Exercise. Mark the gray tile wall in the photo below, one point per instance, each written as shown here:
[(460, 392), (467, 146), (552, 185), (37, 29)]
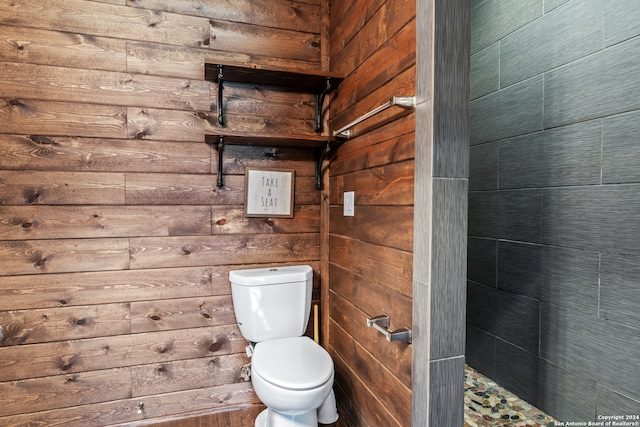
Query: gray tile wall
[(554, 203), (440, 202)]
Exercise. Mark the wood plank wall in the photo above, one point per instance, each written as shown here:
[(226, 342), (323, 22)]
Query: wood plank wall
[(115, 243), (373, 43)]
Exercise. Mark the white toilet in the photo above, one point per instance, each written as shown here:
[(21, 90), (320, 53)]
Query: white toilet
[(291, 374)]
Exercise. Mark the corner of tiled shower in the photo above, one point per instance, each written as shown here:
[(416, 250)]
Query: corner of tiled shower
[(487, 404)]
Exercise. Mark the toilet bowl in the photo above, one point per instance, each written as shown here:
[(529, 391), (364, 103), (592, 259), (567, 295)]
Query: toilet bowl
[(293, 377), (291, 374)]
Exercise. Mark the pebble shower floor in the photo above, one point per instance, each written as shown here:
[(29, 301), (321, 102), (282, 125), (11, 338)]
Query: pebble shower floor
[(486, 404)]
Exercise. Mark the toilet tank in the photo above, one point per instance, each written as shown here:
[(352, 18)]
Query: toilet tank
[(272, 303)]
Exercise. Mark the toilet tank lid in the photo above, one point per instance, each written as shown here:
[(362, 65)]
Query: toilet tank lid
[(271, 275)]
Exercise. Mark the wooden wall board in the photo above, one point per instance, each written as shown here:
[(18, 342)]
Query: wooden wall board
[(112, 1), (371, 258), (347, 18), (254, 40), (273, 125), (68, 188), (71, 356), (29, 81), (36, 117), (186, 62), (119, 21), (65, 390), (396, 140), (371, 297), (391, 184), (46, 47), (186, 374), (51, 222), (163, 125), (266, 101), (161, 252), (402, 85), (291, 15), (395, 357), (168, 125), (387, 266), (231, 219), (238, 157), (397, 395), (368, 402), (48, 153), (193, 189), (104, 111), (63, 256), (394, 57), (241, 416), (163, 315), (124, 411), (368, 224), (370, 35), (64, 323), (179, 189), (105, 287)]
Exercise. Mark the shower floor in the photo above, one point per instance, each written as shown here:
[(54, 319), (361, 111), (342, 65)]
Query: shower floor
[(486, 404)]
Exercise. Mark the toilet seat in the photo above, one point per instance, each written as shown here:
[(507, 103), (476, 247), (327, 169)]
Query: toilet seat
[(295, 363)]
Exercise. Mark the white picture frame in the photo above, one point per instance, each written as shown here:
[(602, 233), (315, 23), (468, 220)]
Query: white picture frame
[(269, 192)]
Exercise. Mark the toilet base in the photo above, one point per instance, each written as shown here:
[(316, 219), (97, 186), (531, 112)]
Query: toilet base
[(271, 418)]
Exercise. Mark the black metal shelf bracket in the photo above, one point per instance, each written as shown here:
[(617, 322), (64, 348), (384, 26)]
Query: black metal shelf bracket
[(319, 103), (220, 104), (220, 149), (319, 154)]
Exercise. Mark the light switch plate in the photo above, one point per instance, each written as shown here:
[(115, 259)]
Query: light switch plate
[(349, 204)]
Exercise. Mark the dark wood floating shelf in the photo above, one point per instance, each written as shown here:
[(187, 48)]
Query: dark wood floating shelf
[(318, 83), (269, 140), (295, 80)]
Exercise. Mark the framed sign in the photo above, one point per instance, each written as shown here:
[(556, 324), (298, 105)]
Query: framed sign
[(268, 192)]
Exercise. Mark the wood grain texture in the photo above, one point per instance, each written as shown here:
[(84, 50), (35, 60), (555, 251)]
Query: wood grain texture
[(90, 354), (104, 287), (376, 378), (42, 152), (386, 266), (68, 390), (373, 43), (198, 250), (291, 15), (367, 225), (275, 42), (50, 222), (38, 117), (73, 188), (45, 47), (104, 111), (101, 87), (63, 256), (60, 324), (124, 411), (187, 374), (396, 358), (119, 21), (181, 313), (237, 416), (227, 220)]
